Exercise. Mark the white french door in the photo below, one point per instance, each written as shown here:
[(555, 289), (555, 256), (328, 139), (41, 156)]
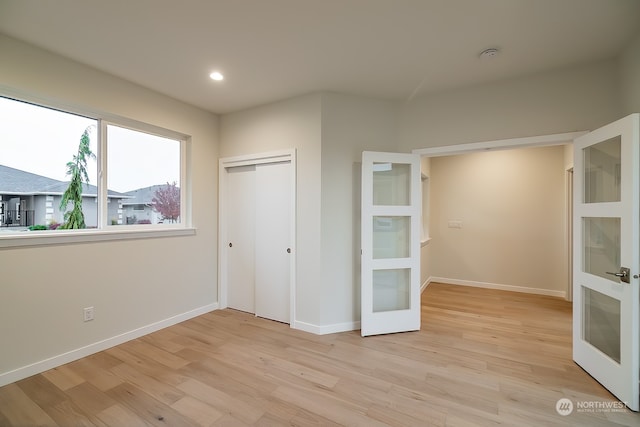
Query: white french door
[(606, 257), (390, 236)]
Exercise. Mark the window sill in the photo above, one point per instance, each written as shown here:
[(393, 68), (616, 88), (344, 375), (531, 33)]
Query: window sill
[(63, 237), (425, 242)]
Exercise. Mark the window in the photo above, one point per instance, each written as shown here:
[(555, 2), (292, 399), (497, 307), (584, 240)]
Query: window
[(149, 194), (37, 143), (140, 184)]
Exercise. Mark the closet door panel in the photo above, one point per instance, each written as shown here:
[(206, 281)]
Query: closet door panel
[(241, 217), (273, 240)]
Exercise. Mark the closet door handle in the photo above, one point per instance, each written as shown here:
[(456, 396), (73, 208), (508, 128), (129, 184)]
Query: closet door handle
[(288, 250), (230, 244)]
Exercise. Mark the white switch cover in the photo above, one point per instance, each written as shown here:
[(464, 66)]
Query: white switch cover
[(455, 224)]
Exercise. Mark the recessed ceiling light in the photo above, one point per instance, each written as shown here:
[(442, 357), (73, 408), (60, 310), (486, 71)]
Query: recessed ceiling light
[(489, 53), (216, 75)]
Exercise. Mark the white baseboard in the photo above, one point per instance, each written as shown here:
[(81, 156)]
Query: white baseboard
[(512, 288), (425, 284), (61, 359), (340, 327), (326, 329)]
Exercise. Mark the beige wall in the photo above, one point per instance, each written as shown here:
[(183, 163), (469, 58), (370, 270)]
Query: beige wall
[(630, 77), (350, 125), (44, 289), (511, 205), (580, 98)]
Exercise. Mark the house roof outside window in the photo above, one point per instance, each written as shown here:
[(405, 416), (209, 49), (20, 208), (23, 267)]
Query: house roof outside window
[(21, 183), (142, 196)]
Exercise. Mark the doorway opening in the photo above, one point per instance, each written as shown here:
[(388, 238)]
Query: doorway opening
[(564, 139)]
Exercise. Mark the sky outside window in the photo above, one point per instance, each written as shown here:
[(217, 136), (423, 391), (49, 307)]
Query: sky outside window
[(137, 160), (41, 141)]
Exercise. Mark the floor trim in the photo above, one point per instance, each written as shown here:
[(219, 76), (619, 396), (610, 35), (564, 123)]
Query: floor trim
[(327, 329), (487, 285), (55, 361)]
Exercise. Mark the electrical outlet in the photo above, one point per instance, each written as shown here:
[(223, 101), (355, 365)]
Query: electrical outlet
[(88, 314)]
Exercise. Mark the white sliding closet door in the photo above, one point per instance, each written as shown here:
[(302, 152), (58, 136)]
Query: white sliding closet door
[(258, 232), (273, 240), (241, 208)]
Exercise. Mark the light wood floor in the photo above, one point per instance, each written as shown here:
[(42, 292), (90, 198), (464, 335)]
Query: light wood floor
[(482, 358)]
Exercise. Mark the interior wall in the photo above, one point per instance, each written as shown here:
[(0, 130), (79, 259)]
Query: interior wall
[(573, 99), (630, 77), (510, 205), (350, 125), (44, 289), (293, 123)]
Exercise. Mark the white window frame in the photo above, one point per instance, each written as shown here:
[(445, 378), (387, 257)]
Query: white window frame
[(106, 232), (102, 171)]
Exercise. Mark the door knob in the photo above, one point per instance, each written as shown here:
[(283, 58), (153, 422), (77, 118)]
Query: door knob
[(623, 274), (230, 244), (288, 250)]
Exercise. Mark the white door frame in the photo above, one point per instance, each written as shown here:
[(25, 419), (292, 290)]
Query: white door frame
[(508, 144), (500, 144), (246, 160), (568, 181)]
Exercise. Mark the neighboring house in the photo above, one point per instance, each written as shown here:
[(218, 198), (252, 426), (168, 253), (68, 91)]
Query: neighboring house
[(137, 208), (29, 199)]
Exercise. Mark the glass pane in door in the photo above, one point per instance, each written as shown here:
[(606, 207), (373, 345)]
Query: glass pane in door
[(391, 236), (601, 322), (601, 251), (391, 184), (602, 171), (391, 289)]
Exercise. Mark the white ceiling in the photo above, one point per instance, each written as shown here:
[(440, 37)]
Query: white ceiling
[(275, 49)]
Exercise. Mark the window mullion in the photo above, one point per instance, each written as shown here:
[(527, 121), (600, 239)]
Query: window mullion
[(102, 175), (185, 203)]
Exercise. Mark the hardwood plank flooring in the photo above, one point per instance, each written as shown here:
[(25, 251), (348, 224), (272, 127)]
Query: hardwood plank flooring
[(483, 358)]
